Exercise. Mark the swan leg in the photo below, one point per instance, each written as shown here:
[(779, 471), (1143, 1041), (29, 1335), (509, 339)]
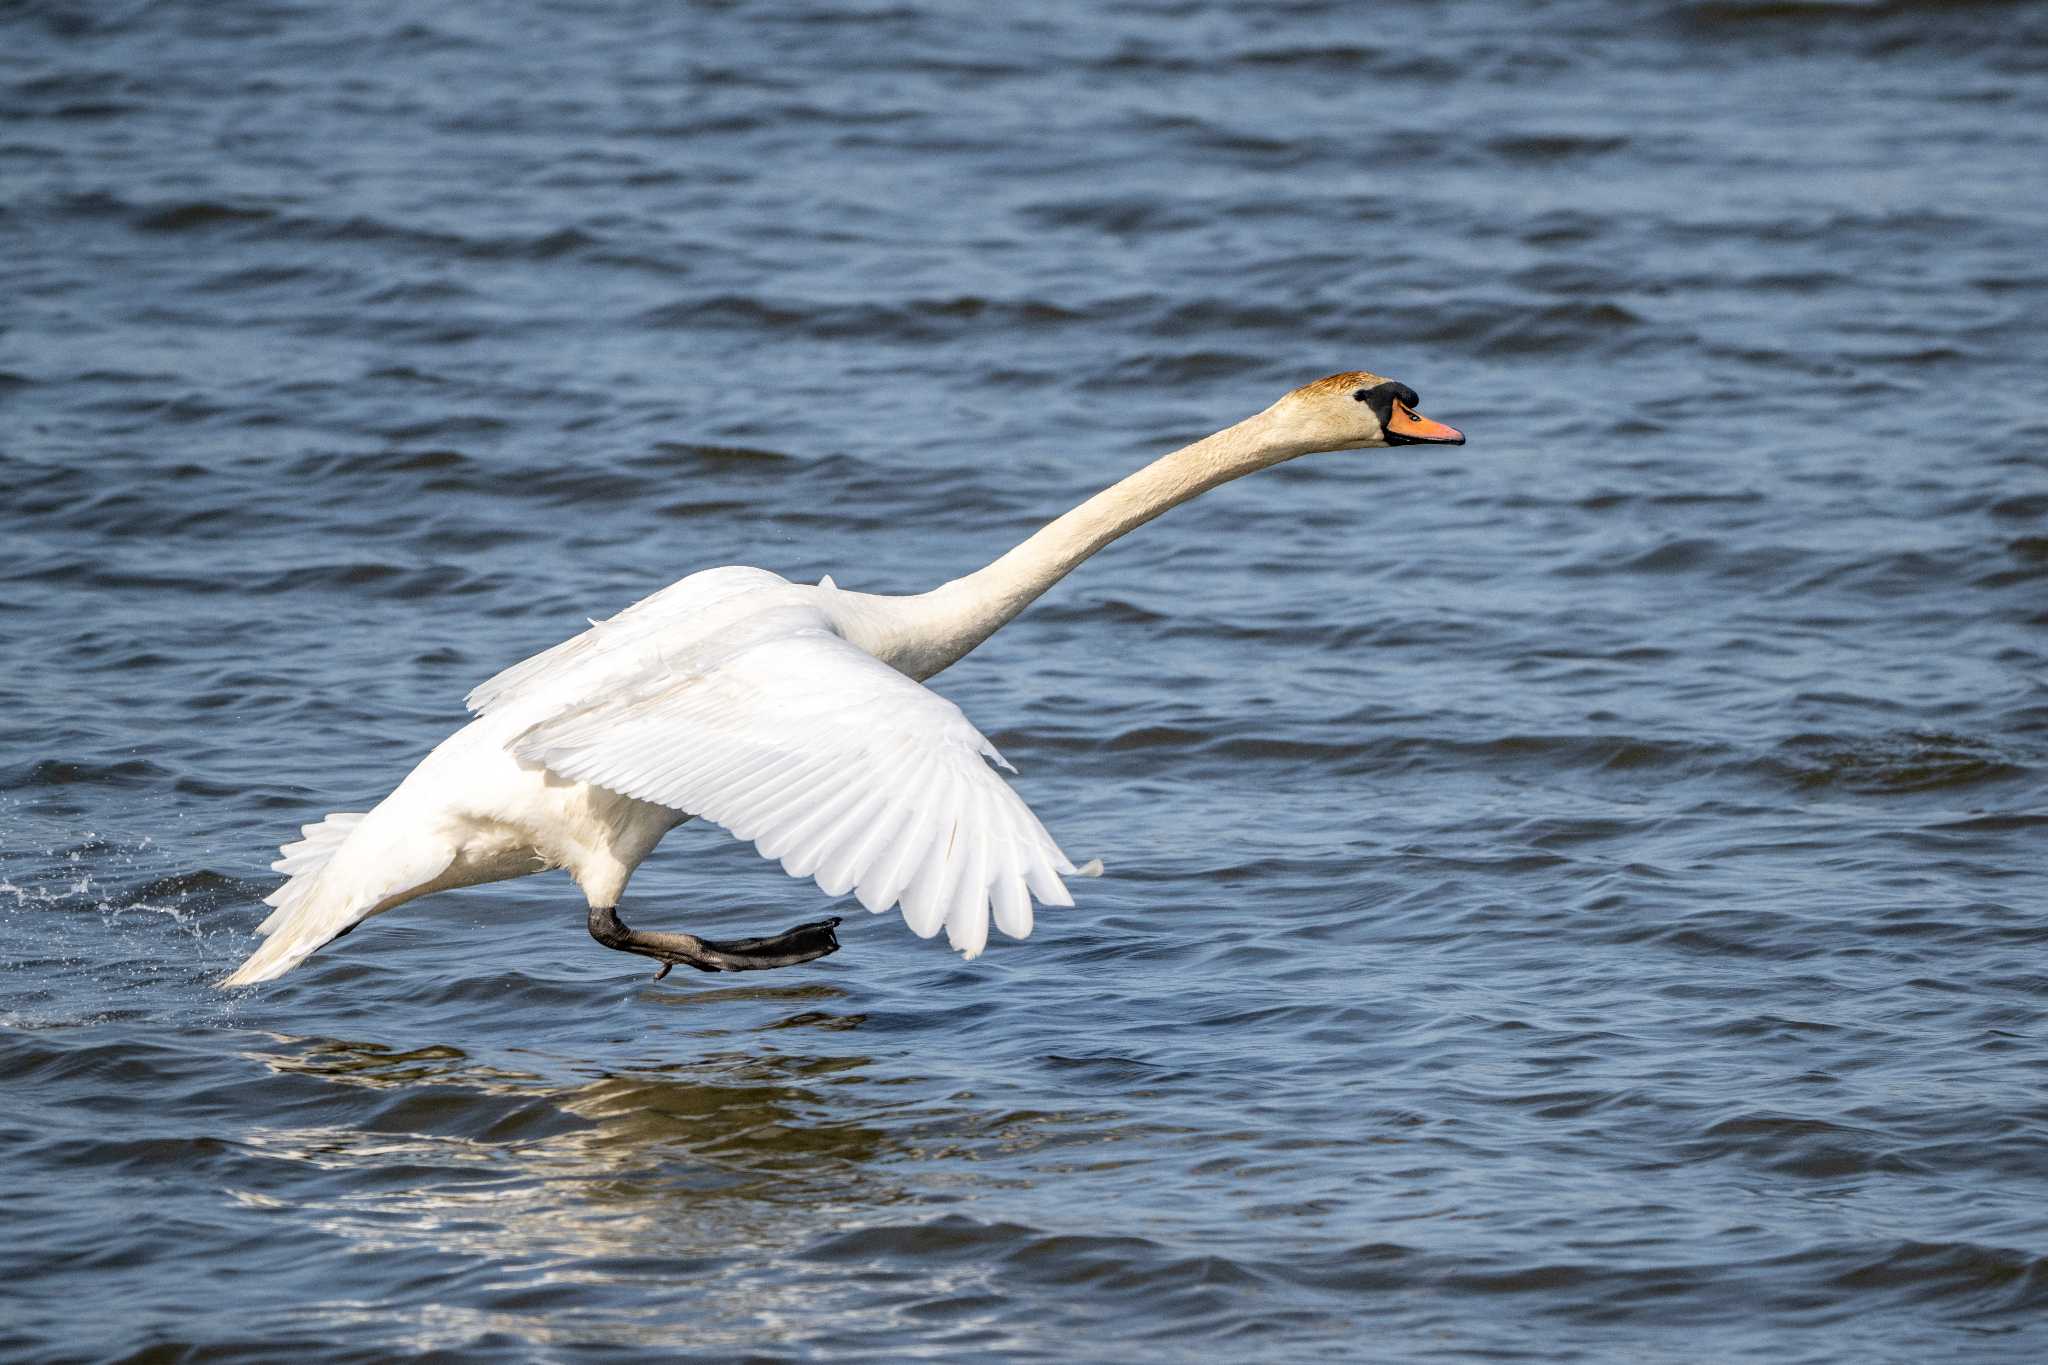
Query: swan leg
[(801, 944)]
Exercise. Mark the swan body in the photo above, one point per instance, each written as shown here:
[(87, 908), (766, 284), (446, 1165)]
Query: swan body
[(793, 715)]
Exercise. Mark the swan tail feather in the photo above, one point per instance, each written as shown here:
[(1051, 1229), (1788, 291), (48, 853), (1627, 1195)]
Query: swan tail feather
[(338, 879), (296, 933), (302, 862)]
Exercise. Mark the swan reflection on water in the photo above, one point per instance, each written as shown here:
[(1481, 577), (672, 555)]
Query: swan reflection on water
[(561, 1194), (714, 1204)]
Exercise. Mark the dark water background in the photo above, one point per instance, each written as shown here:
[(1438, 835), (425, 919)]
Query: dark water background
[(1580, 896)]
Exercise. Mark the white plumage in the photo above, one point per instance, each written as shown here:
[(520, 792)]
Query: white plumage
[(730, 696), (794, 716), (812, 750)]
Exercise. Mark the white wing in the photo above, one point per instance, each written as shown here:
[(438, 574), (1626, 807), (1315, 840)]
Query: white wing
[(682, 603), (827, 759)]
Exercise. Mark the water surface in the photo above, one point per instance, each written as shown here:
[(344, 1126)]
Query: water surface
[(1574, 897)]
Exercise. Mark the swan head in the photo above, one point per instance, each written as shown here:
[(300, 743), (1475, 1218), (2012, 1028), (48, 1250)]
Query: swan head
[(1358, 410)]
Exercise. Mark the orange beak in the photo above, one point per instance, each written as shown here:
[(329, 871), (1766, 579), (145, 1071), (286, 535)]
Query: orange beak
[(1406, 426)]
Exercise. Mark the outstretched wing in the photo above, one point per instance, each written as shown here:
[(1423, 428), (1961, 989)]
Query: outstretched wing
[(828, 761), (684, 607)]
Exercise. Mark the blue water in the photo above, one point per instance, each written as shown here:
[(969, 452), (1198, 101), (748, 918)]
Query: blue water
[(1579, 896)]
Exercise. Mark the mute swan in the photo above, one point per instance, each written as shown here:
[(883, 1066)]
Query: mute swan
[(792, 715)]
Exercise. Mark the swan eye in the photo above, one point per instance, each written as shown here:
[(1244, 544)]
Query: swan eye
[(1362, 394)]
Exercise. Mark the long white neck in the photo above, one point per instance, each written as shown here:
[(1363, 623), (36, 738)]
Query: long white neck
[(923, 634)]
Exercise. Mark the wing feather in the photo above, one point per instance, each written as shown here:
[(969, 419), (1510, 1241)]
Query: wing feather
[(967, 920), (793, 818), (1006, 880), (1012, 905), (896, 863), (810, 834), (870, 840), (789, 736), (838, 860), (746, 796), (924, 904), (682, 601), (1046, 885)]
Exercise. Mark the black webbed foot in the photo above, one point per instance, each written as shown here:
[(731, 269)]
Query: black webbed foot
[(804, 943)]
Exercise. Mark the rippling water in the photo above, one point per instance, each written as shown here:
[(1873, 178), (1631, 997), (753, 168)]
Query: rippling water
[(1579, 896)]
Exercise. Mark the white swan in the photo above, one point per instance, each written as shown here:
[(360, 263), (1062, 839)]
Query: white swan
[(792, 715)]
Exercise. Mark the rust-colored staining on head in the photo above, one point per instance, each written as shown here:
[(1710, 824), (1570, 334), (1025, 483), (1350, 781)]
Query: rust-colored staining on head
[(1340, 383)]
